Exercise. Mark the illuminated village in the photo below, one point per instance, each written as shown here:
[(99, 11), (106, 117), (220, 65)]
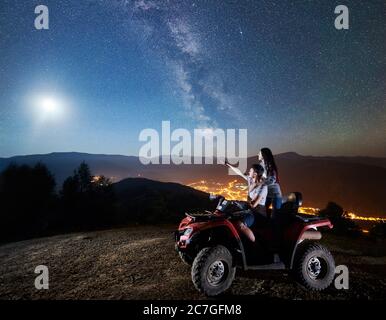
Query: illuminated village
[(236, 190)]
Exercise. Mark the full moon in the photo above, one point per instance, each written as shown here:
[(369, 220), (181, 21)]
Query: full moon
[(49, 108), (49, 105)]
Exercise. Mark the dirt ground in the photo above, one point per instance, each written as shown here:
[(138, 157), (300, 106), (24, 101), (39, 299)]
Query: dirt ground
[(140, 263)]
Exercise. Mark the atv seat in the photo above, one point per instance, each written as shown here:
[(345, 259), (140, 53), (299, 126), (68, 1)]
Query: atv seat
[(292, 202)]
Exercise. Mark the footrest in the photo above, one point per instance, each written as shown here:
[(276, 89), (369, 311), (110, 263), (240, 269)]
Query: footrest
[(272, 266)]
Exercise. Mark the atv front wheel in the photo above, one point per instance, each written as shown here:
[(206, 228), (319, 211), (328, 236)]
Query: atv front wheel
[(315, 267), (212, 270), (187, 259)]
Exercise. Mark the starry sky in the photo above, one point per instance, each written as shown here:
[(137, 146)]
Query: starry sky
[(277, 68)]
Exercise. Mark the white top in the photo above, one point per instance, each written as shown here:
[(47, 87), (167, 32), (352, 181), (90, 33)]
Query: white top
[(260, 190), (273, 188)]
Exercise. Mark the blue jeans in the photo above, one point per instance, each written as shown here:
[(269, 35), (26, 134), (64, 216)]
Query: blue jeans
[(249, 218), (276, 205), (252, 214), (276, 227)]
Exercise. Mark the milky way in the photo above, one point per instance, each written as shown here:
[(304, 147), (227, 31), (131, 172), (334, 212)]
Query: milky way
[(278, 68)]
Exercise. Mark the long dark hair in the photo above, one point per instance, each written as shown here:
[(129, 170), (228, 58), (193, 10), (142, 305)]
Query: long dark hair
[(269, 162)]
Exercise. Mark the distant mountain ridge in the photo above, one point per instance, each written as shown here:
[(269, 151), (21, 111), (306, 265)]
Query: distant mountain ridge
[(356, 183), (373, 161)]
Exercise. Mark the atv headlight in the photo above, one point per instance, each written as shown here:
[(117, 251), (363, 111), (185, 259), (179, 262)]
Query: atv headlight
[(188, 231)]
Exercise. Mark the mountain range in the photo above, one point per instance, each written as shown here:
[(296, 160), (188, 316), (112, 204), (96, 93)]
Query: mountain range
[(356, 183)]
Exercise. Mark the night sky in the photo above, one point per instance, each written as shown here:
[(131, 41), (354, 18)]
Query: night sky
[(112, 68)]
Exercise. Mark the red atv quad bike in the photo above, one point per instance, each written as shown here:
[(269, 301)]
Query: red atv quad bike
[(211, 243)]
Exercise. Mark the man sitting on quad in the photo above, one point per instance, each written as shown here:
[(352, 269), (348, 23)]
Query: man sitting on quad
[(257, 194)]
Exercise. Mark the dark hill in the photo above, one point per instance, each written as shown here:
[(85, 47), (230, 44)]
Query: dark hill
[(148, 201)]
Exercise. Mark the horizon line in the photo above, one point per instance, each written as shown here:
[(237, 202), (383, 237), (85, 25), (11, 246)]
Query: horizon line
[(136, 156)]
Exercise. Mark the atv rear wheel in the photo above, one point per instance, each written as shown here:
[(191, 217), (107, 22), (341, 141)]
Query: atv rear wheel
[(315, 267), (212, 270)]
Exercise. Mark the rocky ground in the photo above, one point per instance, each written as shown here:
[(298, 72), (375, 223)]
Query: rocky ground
[(140, 263)]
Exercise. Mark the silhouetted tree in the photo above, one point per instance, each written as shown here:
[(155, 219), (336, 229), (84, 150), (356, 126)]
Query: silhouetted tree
[(71, 186), (29, 206), (100, 182), (342, 225), (27, 198), (332, 210), (85, 177), (87, 200)]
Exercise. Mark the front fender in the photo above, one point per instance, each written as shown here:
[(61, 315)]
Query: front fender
[(215, 233)]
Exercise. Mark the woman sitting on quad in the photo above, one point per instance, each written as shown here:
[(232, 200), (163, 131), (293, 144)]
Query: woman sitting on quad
[(274, 196), (257, 193)]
